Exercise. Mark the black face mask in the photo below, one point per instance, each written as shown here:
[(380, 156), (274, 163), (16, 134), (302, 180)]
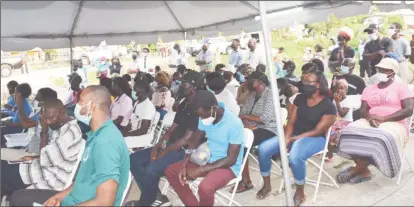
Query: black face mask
[(134, 57), (308, 90)]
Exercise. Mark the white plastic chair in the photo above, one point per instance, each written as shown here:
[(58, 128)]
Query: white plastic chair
[(143, 140), (165, 123), (318, 182), (403, 158), (128, 186), (75, 168), (248, 141)]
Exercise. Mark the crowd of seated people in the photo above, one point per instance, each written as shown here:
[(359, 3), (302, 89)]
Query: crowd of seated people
[(211, 110)]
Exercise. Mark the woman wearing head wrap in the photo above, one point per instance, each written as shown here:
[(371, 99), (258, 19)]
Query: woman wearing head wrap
[(342, 51)]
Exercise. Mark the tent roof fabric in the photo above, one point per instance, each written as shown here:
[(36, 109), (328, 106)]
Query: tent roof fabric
[(50, 24)]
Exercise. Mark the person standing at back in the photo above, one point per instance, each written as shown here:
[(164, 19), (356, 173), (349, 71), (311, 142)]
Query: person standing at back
[(255, 57), (133, 68), (204, 59), (235, 57), (343, 51), (401, 47), (372, 50)]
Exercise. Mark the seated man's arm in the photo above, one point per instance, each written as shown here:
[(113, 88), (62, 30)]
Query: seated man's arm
[(107, 158), (105, 194)]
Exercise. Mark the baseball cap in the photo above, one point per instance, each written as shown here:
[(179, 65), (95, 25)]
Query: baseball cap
[(371, 27), (389, 63)]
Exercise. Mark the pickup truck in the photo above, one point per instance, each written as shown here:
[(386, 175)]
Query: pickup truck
[(10, 63)]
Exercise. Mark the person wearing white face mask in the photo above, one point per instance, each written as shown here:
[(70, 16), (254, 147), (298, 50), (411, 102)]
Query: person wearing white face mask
[(225, 138), (373, 52), (379, 136), (401, 48)]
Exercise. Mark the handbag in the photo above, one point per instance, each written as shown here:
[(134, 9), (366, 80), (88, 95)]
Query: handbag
[(202, 155)]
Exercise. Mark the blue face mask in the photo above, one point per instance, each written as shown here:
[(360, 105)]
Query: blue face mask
[(344, 70), (134, 95), (178, 81), (241, 77), (86, 119), (208, 88)]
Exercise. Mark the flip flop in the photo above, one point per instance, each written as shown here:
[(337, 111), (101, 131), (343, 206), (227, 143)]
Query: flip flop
[(298, 201), (262, 197), (344, 176), (357, 179), (246, 187)]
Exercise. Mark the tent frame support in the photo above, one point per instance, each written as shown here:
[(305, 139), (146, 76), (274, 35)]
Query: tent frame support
[(74, 24), (276, 104)]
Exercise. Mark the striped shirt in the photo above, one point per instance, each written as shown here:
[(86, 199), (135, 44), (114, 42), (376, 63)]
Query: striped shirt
[(263, 107), (57, 160)]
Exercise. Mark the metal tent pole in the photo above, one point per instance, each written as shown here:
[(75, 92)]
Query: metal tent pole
[(275, 94), (71, 55)]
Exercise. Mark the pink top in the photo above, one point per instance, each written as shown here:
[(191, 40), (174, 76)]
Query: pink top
[(386, 101), (122, 106), (163, 98)]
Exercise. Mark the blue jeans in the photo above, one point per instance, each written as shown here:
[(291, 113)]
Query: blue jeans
[(147, 173), (162, 113), (300, 151)]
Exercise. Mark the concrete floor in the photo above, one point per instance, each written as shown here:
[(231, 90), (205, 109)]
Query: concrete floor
[(380, 191)]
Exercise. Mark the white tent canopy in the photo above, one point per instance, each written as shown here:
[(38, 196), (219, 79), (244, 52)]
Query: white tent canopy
[(51, 24)]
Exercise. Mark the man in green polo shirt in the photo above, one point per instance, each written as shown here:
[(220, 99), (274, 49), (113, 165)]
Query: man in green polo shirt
[(104, 169)]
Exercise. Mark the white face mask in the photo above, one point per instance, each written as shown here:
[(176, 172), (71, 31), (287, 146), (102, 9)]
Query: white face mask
[(391, 32), (381, 77), (373, 36), (209, 121)]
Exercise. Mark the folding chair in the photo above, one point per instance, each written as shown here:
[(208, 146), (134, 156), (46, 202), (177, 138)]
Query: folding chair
[(165, 123), (75, 168), (403, 158), (128, 186), (143, 140), (248, 141), (318, 182)]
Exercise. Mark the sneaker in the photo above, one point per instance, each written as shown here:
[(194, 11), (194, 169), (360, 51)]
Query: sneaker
[(162, 200)]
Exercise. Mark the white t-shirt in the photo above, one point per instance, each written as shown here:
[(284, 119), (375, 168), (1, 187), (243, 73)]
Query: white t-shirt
[(142, 111), (233, 86), (229, 101), (347, 103)]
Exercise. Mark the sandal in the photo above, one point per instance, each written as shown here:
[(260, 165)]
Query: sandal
[(357, 179), (244, 187), (344, 176), (261, 196), (297, 200)]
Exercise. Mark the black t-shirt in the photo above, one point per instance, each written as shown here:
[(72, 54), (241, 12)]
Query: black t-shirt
[(185, 118), (373, 47), (309, 117), (356, 85)]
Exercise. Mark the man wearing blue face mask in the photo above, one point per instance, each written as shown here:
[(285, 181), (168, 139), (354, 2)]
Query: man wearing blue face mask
[(356, 84)]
